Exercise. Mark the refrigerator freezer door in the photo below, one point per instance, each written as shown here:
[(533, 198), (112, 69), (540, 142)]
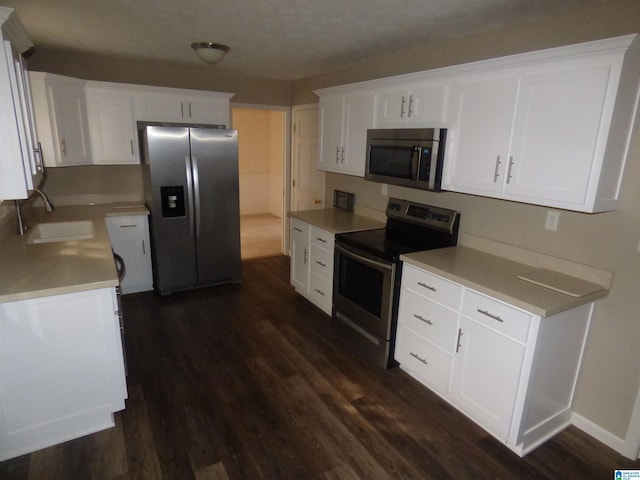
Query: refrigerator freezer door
[(214, 156), (169, 160)]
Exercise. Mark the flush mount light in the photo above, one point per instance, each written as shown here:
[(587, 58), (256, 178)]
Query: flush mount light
[(210, 52)]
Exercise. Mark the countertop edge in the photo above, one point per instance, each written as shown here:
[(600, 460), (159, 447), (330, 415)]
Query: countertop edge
[(557, 302)]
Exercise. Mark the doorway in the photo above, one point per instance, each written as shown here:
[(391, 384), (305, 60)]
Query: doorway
[(262, 155)]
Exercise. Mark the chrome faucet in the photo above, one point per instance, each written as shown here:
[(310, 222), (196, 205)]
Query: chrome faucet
[(22, 223)]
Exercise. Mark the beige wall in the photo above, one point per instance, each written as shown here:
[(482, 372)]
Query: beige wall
[(261, 150), (206, 77), (610, 376)]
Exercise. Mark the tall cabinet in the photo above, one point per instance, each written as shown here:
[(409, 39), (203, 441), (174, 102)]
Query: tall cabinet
[(20, 157)]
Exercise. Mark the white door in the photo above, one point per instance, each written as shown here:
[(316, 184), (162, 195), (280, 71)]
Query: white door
[(307, 182)]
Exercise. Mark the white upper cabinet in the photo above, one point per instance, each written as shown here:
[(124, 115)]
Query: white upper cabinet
[(417, 105), (61, 119), (95, 123), (344, 120), (185, 107), (112, 126), (20, 159), (552, 130)]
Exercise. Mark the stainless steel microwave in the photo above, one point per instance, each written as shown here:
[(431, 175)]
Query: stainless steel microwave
[(411, 157)]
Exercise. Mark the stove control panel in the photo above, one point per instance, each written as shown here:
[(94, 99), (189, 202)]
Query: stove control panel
[(413, 212)]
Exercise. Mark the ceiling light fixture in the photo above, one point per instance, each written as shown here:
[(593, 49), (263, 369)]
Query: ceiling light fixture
[(210, 52)]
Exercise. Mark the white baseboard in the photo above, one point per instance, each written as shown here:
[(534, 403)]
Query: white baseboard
[(609, 439)]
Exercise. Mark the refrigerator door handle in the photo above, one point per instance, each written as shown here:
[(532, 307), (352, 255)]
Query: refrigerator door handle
[(196, 188), (187, 162)]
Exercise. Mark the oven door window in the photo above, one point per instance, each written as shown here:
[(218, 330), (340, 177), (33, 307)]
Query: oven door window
[(361, 284), (399, 161)]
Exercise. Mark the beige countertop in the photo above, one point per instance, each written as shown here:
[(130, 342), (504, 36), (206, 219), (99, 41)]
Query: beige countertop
[(39, 270), (498, 277), (334, 220)]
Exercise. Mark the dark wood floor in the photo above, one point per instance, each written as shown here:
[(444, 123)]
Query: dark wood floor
[(248, 382)]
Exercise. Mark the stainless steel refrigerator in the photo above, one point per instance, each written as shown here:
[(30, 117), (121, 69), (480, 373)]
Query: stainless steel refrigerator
[(191, 188)]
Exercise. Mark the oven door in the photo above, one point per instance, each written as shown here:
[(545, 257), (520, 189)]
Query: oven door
[(363, 289)]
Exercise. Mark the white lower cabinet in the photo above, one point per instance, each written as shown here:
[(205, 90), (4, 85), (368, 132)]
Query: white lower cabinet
[(61, 369), (512, 372), (312, 263), (129, 237)]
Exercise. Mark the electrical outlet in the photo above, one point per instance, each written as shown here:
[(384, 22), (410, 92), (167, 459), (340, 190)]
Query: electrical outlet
[(384, 190), (553, 218)]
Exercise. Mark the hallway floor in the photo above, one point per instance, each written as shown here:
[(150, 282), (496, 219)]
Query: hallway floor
[(260, 236)]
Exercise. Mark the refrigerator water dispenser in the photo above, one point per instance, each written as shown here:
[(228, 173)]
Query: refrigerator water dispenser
[(172, 201)]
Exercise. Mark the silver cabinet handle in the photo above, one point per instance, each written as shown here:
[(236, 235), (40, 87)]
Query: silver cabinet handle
[(509, 170), (419, 358), (410, 105), (342, 155), (297, 229), (63, 145), (131, 141), (458, 344), (490, 315), (190, 110), (305, 256), (422, 319), (131, 225), (402, 107), (144, 250), (182, 109), (38, 159), (495, 173), (319, 291), (338, 154), (321, 240), (428, 287), (321, 264)]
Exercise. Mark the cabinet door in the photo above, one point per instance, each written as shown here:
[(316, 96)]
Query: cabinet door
[(300, 263), (112, 127), (331, 127), (478, 138), (427, 106), (358, 117), (61, 369), (20, 170), (391, 107), (556, 133), (67, 98), (486, 374), (211, 111), (129, 236)]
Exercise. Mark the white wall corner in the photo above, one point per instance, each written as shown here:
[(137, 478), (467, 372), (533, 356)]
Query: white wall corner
[(609, 439)]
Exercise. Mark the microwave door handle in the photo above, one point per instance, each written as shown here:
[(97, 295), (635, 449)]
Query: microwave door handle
[(415, 162)]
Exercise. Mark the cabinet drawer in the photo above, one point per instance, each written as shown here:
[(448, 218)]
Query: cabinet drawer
[(431, 286), (428, 319), (300, 228), (427, 363), (321, 262), (496, 315), (321, 291), (322, 238), (130, 224)]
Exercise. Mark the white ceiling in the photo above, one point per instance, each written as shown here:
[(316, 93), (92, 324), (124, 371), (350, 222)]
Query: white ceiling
[(281, 39)]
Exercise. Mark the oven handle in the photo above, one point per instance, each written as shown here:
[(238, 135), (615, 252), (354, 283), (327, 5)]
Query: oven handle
[(356, 256)]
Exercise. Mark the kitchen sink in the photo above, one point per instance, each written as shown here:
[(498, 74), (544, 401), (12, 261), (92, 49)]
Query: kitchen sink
[(61, 231)]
